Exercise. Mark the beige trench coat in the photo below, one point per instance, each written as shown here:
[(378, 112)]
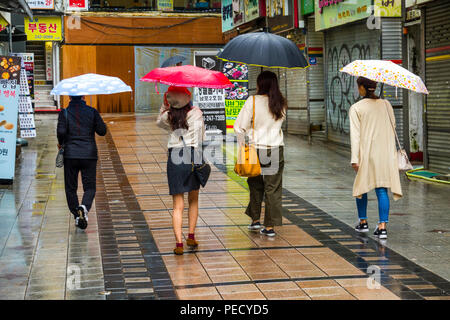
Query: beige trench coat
[(373, 147)]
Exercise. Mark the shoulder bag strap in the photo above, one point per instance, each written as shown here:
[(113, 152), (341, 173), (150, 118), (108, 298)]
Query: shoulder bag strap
[(392, 125), (253, 120)]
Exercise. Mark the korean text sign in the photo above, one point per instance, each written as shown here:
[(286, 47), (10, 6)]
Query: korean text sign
[(9, 102), (43, 29)]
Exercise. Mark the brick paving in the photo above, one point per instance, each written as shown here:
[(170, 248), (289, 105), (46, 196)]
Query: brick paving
[(126, 252)]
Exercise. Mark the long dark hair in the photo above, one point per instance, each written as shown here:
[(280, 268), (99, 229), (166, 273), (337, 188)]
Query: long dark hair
[(178, 117), (268, 85), (370, 87)]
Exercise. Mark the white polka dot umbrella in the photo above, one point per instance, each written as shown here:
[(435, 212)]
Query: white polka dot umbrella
[(90, 84)]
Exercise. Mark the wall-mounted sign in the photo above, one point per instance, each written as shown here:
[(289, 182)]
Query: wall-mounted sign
[(238, 12), (9, 102), (3, 23), (307, 7), (332, 13), (388, 8), (77, 5), (10, 68), (251, 10), (165, 5), (280, 15), (43, 28), (41, 4), (227, 15)]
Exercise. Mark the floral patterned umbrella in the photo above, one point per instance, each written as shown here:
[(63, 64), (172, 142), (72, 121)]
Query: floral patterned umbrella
[(386, 72)]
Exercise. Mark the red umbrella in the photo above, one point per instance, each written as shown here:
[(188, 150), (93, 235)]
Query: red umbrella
[(188, 76)]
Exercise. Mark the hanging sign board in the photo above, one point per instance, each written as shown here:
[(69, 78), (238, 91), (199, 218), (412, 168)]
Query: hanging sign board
[(41, 4)]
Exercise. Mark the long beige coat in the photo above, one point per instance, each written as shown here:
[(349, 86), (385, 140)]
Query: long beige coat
[(373, 147)]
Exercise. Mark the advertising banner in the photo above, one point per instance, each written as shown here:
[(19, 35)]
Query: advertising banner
[(41, 4), (238, 12), (307, 6), (388, 8), (165, 5), (227, 15), (332, 13), (280, 15), (28, 65), (43, 28), (235, 97), (9, 101), (3, 23), (77, 5), (210, 101), (10, 68), (251, 10)]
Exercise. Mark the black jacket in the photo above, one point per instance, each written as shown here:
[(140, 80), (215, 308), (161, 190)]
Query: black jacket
[(78, 134)]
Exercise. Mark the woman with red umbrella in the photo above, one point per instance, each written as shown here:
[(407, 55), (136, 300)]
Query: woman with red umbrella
[(186, 129)]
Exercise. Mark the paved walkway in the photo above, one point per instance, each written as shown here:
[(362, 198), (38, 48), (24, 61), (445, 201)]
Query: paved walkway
[(126, 252)]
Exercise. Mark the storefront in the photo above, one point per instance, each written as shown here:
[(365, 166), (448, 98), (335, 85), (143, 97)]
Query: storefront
[(437, 70), (128, 46), (352, 32)]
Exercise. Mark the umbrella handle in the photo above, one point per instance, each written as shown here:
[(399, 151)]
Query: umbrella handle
[(156, 87)]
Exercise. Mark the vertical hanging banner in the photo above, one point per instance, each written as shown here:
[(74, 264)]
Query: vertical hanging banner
[(210, 101), (236, 96), (227, 15), (28, 65), (49, 60), (9, 101)]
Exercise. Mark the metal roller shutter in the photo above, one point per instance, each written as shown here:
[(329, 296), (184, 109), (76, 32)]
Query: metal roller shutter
[(437, 40), (315, 74), (343, 45), (391, 49)]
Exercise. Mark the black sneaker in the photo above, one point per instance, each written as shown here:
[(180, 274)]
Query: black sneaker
[(81, 219), (380, 233), (254, 226), (362, 227), (269, 233)]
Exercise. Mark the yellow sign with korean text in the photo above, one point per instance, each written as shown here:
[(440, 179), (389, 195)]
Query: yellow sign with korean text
[(43, 29), (3, 23), (388, 8)]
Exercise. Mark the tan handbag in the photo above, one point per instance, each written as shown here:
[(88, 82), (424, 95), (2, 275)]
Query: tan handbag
[(402, 157), (247, 164)]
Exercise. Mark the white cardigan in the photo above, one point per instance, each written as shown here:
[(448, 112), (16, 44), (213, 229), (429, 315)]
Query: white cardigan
[(268, 133), (194, 135)]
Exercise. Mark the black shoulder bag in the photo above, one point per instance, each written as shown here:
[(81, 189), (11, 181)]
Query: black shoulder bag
[(201, 171), (60, 155)]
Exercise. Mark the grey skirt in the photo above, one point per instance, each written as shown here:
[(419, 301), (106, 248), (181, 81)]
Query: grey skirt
[(179, 175)]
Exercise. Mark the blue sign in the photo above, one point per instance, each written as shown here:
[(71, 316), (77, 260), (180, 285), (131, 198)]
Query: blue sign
[(227, 15), (312, 61), (9, 107)]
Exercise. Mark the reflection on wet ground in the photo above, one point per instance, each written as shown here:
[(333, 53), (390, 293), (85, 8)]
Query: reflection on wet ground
[(126, 252)]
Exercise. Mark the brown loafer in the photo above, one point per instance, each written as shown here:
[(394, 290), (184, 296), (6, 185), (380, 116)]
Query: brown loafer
[(191, 243), (178, 251)]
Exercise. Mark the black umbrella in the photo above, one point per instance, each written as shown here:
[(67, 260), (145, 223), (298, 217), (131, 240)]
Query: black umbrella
[(264, 49), (173, 61)]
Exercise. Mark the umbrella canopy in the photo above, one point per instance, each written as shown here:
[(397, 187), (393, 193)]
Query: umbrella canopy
[(386, 72), (172, 61), (90, 84), (264, 49), (188, 76)]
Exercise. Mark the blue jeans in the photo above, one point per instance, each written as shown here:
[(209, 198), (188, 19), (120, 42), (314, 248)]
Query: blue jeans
[(383, 205)]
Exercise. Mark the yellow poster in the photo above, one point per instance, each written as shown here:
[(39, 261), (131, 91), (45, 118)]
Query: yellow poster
[(388, 8), (3, 23), (43, 29)]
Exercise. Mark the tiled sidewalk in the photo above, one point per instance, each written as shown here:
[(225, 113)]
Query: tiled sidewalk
[(128, 254)]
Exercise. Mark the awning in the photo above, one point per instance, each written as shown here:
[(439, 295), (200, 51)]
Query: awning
[(18, 6)]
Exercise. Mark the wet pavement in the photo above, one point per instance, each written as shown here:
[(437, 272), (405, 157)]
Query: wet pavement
[(126, 252)]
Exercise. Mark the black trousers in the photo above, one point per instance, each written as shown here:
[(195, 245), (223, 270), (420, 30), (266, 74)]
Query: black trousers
[(72, 168)]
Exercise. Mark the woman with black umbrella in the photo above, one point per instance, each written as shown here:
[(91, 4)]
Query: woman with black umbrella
[(262, 115)]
